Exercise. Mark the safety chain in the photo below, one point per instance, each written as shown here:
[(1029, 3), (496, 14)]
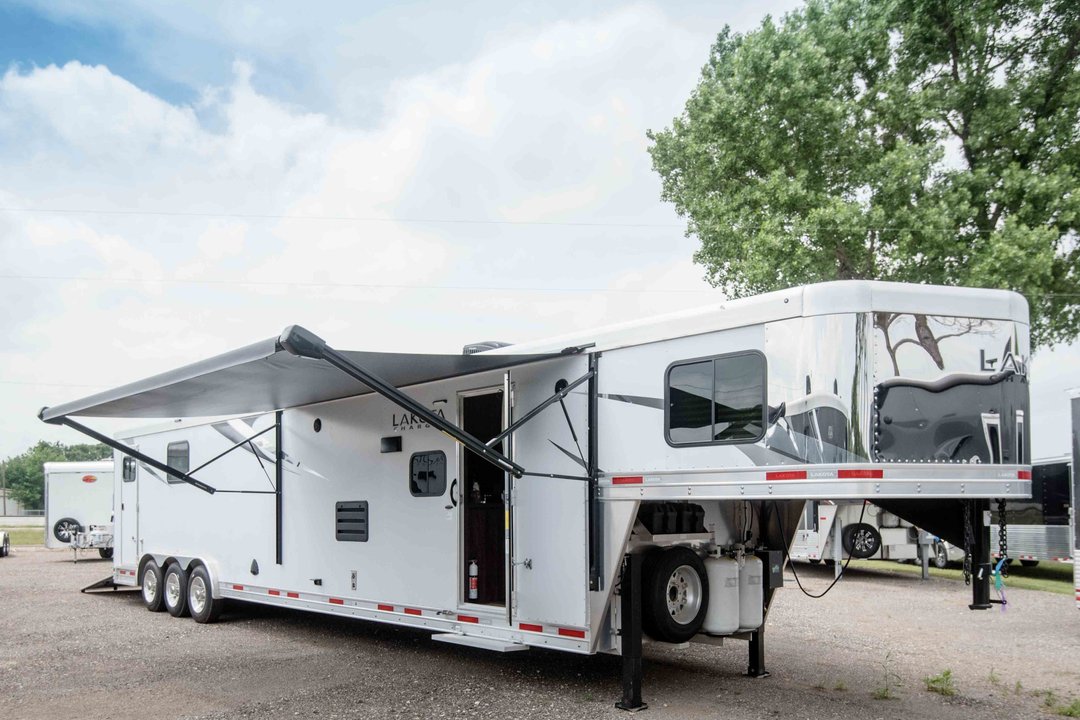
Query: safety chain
[(969, 542), (1003, 538)]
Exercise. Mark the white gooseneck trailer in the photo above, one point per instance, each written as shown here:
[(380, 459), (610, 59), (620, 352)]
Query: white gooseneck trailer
[(571, 493)]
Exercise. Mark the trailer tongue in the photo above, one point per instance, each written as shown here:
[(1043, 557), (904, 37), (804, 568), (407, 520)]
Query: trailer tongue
[(447, 493)]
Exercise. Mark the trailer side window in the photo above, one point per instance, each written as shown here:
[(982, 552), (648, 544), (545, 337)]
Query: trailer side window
[(128, 469), (716, 400), (178, 457), (427, 474)]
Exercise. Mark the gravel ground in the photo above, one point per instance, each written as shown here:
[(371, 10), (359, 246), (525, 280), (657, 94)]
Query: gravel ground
[(66, 654)]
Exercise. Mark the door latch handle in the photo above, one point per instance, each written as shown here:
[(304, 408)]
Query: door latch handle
[(527, 563)]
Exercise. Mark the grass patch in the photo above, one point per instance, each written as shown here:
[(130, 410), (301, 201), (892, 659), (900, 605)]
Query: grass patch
[(1071, 710), (1048, 576), (840, 686), (890, 678), (26, 535), (942, 684)]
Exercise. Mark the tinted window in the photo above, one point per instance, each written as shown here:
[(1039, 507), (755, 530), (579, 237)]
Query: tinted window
[(427, 474), (178, 458), (129, 469), (689, 389), (719, 400)]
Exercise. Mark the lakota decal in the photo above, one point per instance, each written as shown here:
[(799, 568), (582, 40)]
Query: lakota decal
[(410, 421)]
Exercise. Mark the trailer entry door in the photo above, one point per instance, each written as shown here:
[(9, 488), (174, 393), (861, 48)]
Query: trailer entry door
[(126, 541), (550, 515)]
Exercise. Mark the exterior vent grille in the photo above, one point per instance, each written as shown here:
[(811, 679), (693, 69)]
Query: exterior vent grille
[(351, 521)]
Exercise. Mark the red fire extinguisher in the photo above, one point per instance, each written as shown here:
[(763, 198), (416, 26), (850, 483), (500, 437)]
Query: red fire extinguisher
[(474, 580)]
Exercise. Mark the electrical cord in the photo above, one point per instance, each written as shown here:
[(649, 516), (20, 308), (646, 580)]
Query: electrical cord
[(843, 568)]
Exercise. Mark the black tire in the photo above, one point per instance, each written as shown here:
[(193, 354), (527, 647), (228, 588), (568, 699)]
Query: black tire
[(203, 606), (105, 553), (1029, 563), (65, 529), (175, 590), (674, 594), (861, 540), (940, 558), (5, 550), (153, 587)]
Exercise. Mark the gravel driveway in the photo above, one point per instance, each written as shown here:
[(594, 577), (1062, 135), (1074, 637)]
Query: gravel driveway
[(65, 654)]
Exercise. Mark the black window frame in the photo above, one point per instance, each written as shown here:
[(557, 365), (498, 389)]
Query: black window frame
[(168, 451), (713, 359), (445, 473)]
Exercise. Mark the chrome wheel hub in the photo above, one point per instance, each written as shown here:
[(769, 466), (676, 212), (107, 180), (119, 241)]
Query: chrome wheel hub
[(172, 589), (683, 595), (149, 586), (197, 595)]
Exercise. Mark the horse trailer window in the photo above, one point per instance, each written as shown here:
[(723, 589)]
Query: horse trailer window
[(427, 474), (716, 400), (178, 457)]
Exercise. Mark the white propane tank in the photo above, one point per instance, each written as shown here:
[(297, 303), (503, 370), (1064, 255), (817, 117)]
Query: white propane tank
[(722, 617), (751, 594)]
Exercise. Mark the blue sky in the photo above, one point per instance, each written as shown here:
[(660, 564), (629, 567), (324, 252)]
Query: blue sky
[(177, 179)]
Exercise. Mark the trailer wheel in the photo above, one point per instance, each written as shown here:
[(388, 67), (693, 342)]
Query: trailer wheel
[(204, 607), (861, 540), (65, 529), (5, 550), (176, 589), (675, 594), (1029, 563), (152, 587), (941, 556)]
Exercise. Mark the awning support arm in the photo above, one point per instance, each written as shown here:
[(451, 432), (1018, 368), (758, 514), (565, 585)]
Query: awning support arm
[(557, 397), (304, 343), (116, 445), (242, 442)]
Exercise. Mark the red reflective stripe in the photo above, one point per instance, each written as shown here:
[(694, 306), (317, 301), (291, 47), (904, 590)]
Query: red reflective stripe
[(292, 595), (468, 618), (274, 592), (567, 632), (412, 611), (530, 627), (860, 473), (337, 601), (1023, 474), (386, 608), (786, 475), (237, 587), (635, 480)]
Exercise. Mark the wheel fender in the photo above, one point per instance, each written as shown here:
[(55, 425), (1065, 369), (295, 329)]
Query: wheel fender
[(213, 570)]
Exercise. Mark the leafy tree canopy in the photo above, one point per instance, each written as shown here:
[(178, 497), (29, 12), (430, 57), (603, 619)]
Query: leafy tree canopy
[(931, 141), (26, 476)]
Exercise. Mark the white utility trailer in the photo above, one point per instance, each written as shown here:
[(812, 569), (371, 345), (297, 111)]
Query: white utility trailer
[(571, 493), (79, 506)]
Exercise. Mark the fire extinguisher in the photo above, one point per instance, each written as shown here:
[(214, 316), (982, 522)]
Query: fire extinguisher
[(474, 580)]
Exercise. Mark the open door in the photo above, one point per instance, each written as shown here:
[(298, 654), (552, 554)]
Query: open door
[(550, 535), (482, 563)]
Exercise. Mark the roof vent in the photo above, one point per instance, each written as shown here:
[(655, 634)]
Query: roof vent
[(478, 347)]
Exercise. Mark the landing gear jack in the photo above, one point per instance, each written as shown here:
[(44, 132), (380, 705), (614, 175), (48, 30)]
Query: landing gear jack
[(630, 612), (756, 667)]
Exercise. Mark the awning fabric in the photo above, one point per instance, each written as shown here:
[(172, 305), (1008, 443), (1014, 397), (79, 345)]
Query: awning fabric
[(263, 377)]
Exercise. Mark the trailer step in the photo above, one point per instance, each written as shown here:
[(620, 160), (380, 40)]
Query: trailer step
[(479, 642)]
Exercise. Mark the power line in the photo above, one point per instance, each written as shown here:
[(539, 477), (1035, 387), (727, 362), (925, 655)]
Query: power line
[(367, 286), (334, 218)]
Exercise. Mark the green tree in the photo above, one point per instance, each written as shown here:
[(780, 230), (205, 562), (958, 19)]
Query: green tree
[(26, 476), (912, 140)]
